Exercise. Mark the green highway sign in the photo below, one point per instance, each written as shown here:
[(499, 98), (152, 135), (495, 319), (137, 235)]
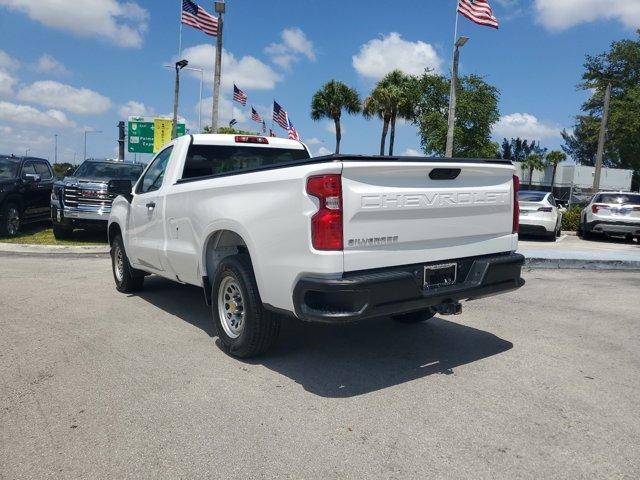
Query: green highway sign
[(141, 134)]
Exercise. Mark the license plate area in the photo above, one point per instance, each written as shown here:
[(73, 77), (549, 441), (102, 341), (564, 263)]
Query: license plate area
[(440, 275)]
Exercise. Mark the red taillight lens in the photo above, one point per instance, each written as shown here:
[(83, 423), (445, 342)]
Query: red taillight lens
[(516, 205), (596, 207), (250, 139), (545, 209), (326, 224)]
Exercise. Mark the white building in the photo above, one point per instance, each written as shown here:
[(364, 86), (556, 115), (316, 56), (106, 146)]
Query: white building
[(577, 176)]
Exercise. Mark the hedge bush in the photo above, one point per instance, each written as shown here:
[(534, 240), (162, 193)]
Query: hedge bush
[(571, 219)]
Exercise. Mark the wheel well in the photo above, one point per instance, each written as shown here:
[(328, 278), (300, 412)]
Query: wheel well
[(114, 231), (219, 245), (13, 199)]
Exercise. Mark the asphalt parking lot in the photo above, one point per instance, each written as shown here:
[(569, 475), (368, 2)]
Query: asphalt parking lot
[(538, 383)]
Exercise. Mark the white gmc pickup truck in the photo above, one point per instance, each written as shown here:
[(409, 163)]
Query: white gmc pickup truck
[(268, 231)]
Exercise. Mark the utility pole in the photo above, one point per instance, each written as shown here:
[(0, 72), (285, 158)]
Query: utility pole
[(220, 10), (121, 140), (452, 96), (176, 93), (601, 138), (55, 150)]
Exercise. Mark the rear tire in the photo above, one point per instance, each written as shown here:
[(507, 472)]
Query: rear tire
[(415, 317), (244, 326), (11, 220), (127, 279), (62, 232)]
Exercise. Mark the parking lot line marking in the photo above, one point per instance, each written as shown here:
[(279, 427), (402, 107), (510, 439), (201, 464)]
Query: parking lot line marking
[(561, 238)]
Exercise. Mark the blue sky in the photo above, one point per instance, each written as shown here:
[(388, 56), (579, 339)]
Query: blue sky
[(64, 70)]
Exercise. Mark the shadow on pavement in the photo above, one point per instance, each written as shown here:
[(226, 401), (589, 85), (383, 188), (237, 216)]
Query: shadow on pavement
[(340, 361)]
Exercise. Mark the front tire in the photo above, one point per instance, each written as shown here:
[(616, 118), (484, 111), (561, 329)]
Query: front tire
[(62, 232), (415, 317), (127, 279), (11, 220), (244, 326)]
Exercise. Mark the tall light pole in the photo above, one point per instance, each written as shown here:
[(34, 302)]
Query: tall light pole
[(220, 10), (85, 141), (602, 138), (55, 148), (180, 64), (195, 69), (452, 95)]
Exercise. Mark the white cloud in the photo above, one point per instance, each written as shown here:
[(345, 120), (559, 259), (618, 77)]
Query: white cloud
[(7, 62), (58, 95), (323, 151), (524, 125), (313, 141), (6, 84), (330, 127), (247, 72), (124, 23), (380, 56), (48, 64), (133, 108), (412, 152), (226, 111), (560, 15), (15, 113), (293, 46)]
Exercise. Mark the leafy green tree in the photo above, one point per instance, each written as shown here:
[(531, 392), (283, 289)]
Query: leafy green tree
[(532, 162), (620, 66), (506, 153), (379, 104), (331, 100), (61, 170), (554, 158), (476, 112), (229, 130), (401, 88)]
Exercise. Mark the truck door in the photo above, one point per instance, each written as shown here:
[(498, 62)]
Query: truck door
[(147, 231)]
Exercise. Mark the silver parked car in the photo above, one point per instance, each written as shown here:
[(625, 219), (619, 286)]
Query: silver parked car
[(612, 213)]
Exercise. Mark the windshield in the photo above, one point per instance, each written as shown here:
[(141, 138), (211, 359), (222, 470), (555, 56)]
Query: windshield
[(111, 171), (531, 196), (617, 198), (8, 167)]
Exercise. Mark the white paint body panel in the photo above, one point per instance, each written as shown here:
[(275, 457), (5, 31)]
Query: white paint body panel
[(272, 213)]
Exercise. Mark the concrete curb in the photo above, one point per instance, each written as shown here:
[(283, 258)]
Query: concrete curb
[(581, 264), (26, 249)]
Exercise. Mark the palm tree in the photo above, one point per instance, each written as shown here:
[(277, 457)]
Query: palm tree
[(391, 98), (532, 162), (553, 159), (330, 100)]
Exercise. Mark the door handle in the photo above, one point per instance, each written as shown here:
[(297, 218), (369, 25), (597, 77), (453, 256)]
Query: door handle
[(151, 205)]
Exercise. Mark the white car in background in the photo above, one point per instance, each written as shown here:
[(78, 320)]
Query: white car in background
[(612, 213), (539, 214)]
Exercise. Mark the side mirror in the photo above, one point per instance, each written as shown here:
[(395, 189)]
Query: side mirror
[(31, 177), (121, 187)]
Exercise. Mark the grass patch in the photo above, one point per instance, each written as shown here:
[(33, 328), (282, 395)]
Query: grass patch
[(43, 235)]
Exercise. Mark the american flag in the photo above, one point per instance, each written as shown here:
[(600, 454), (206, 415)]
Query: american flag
[(280, 116), (255, 116), (478, 11), (197, 17), (264, 127), (292, 133), (272, 133), (239, 96)]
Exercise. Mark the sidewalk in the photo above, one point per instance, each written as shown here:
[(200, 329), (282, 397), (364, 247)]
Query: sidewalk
[(571, 251)]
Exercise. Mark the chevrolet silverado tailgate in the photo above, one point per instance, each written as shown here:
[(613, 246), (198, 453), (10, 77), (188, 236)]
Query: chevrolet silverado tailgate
[(414, 211)]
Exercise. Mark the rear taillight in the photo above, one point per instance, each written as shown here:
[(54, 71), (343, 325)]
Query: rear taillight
[(545, 209), (516, 205), (326, 224), (251, 139), (596, 207)]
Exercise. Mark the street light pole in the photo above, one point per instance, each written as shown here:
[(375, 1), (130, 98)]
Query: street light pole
[(176, 92), (55, 149), (452, 96), (220, 10), (602, 138), (195, 69)]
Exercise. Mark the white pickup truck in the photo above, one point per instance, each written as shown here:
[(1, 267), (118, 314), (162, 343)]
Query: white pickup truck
[(268, 231)]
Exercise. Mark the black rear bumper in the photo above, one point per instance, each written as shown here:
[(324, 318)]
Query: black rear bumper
[(375, 293)]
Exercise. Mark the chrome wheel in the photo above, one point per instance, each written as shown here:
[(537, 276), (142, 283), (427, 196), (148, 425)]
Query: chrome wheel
[(13, 221), (118, 263), (231, 307)]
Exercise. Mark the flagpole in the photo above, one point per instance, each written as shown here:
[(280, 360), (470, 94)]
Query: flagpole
[(180, 35), (451, 117)]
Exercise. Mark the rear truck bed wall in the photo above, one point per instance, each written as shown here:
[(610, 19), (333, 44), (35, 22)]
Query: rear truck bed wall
[(271, 212)]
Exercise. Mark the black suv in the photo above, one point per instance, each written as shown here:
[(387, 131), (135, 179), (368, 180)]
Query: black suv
[(25, 190)]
